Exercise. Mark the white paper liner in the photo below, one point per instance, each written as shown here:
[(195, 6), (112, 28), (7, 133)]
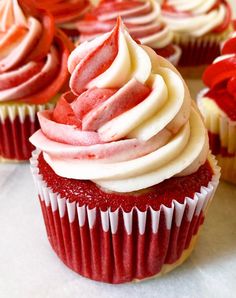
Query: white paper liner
[(109, 219), (12, 110), (211, 38), (217, 122)]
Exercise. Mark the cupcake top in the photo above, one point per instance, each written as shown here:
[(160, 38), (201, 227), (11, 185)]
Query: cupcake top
[(197, 18), (141, 17), (220, 78), (65, 12), (128, 122), (33, 54)]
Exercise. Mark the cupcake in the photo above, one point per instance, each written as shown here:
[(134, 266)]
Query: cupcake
[(66, 13), (142, 18), (199, 27), (123, 169), (218, 105), (33, 68)]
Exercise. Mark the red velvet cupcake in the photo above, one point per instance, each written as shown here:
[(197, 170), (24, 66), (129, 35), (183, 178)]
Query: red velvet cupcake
[(142, 18), (32, 70), (123, 171), (218, 105), (199, 27), (66, 13)]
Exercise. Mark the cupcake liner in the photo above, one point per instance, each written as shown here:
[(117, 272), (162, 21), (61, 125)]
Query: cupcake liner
[(198, 51), (224, 144), (118, 246), (18, 121)]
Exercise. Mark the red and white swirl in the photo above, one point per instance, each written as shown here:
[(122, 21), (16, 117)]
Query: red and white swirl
[(197, 17), (128, 123), (142, 18), (22, 75), (65, 12)]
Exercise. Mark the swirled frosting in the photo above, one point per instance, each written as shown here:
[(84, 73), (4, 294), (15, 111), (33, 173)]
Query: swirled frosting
[(65, 12), (142, 18), (220, 78), (198, 17), (32, 58), (129, 122)]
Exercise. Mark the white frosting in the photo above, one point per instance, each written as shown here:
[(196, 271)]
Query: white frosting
[(165, 114), (202, 20)]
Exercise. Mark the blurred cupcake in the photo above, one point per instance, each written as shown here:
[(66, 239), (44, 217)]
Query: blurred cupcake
[(199, 28), (33, 69), (123, 170), (218, 105), (143, 20), (66, 13)]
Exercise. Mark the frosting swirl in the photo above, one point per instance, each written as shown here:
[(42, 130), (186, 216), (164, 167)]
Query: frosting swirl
[(220, 77), (142, 18), (65, 12), (129, 123), (198, 17), (32, 56)]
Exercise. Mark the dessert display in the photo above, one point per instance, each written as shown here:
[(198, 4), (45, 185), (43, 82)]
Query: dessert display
[(122, 165), (218, 105), (199, 28), (66, 13), (33, 69), (142, 18)]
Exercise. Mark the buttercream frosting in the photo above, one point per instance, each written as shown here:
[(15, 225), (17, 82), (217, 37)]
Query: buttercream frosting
[(196, 18), (129, 122), (142, 18), (65, 12), (31, 55)]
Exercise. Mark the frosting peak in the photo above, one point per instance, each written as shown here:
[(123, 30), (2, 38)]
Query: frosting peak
[(126, 134)]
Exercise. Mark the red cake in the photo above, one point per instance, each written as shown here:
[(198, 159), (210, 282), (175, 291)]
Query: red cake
[(32, 72), (123, 168)]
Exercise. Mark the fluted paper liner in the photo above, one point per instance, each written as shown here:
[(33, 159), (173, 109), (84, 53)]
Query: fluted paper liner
[(118, 246), (197, 51), (221, 125), (18, 122)]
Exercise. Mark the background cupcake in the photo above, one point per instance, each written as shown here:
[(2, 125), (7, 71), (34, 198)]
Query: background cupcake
[(125, 175), (66, 13), (33, 57), (199, 27), (218, 105), (142, 18)]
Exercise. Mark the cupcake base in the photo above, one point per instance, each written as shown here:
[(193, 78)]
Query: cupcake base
[(185, 255), (118, 246), (18, 121), (199, 52), (222, 135)]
